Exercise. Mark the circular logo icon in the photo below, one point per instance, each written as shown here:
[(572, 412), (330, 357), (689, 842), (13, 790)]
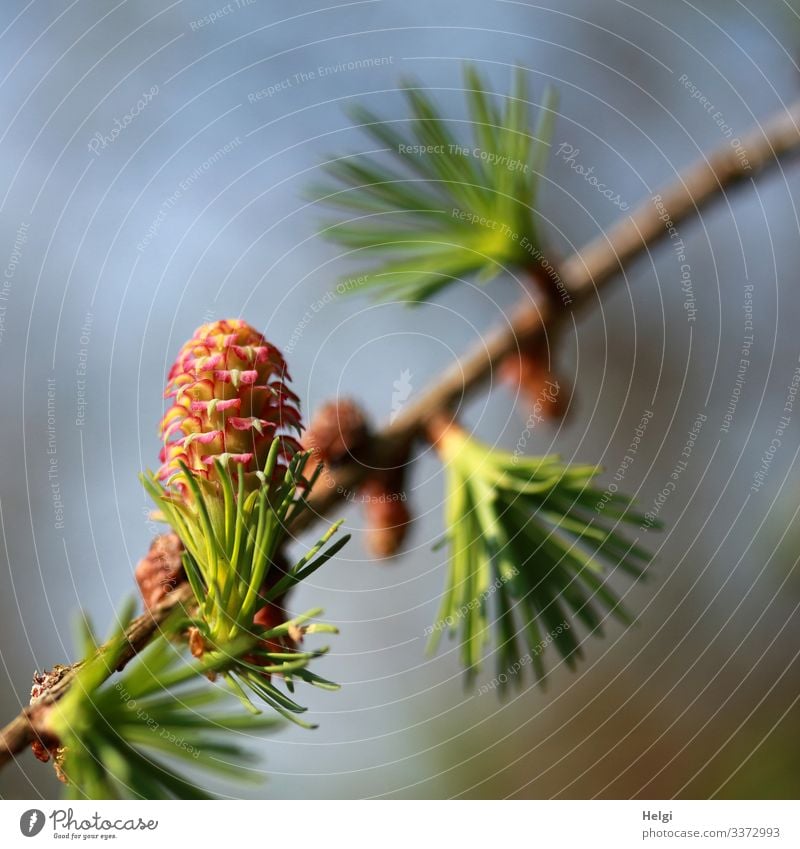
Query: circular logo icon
[(31, 822)]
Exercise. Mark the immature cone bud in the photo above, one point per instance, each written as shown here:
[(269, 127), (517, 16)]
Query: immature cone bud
[(387, 514), (526, 371), (161, 569), (338, 431)]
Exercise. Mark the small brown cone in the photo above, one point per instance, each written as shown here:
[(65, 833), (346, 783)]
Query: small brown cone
[(387, 514), (338, 432), (40, 751), (161, 570), (271, 616), (197, 643), (526, 372)]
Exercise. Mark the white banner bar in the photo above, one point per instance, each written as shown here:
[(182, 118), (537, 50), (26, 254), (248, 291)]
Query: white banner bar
[(404, 824)]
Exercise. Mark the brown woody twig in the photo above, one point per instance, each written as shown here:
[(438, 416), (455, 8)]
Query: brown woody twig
[(29, 724)]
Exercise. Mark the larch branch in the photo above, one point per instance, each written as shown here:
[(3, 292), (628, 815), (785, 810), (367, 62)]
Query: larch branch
[(581, 274)]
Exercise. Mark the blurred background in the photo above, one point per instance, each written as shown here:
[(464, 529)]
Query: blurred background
[(154, 166)]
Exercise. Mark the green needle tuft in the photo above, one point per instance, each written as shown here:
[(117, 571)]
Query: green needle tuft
[(430, 209)]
